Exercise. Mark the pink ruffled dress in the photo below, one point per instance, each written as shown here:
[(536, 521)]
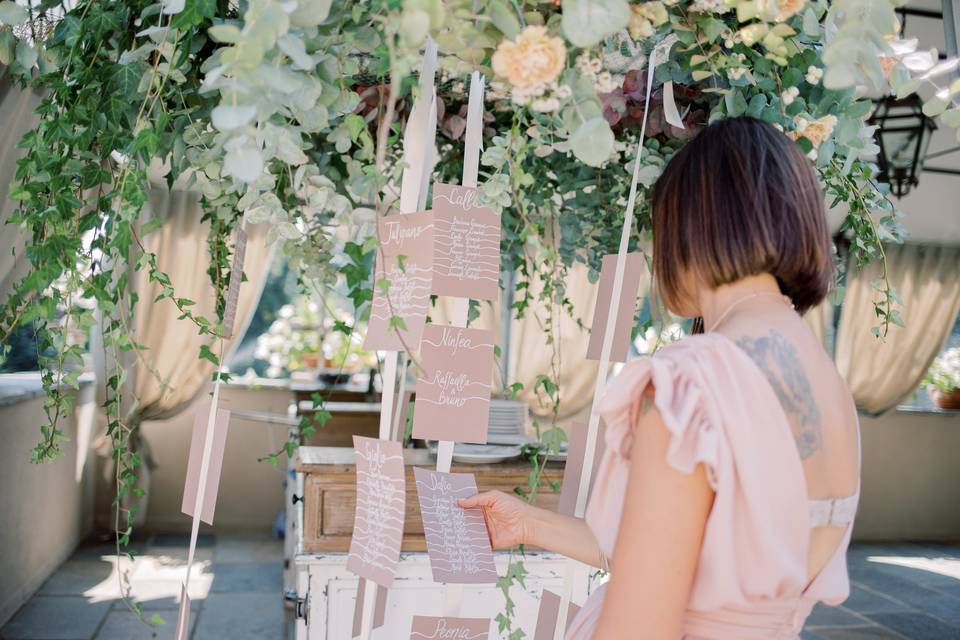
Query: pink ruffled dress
[(751, 582)]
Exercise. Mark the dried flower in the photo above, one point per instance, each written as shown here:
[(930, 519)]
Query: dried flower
[(709, 6), (645, 17), (545, 105), (814, 74), (736, 73), (787, 8), (606, 83), (789, 95), (534, 58)]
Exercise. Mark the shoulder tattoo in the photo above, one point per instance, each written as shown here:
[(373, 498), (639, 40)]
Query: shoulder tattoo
[(781, 365)]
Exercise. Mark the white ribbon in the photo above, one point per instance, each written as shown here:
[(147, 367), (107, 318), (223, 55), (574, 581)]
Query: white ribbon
[(473, 139), (659, 53), (418, 143), (202, 480)]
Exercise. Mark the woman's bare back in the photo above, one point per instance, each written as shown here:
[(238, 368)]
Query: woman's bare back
[(818, 407)]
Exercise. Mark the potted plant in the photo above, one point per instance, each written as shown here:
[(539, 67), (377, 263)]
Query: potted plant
[(943, 379)]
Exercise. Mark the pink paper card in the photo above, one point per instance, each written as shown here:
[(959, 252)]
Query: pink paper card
[(430, 628), (453, 392), (466, 250), (183, 616), (378, 520), (577, 437), (212, 481), (236, 277), (547, 617), (623, 326), (379, 607), (405, 260), (457, 540)]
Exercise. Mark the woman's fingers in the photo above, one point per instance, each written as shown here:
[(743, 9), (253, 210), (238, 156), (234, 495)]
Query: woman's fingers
[(485, 499)]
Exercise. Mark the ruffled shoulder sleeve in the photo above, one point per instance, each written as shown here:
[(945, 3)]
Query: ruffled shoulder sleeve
[(713, 402), (673, 381)]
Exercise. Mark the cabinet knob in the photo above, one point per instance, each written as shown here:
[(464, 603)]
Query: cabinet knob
[(295, 498)]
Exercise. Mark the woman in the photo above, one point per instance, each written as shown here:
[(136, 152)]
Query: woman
[(724, 500)]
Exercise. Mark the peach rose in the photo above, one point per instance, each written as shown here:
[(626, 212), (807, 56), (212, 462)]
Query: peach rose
[(533, 58), (816, 131), (778, 10), (787, 8)]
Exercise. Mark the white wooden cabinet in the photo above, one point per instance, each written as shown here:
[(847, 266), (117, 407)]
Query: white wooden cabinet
[(328, 592), (325, 592)]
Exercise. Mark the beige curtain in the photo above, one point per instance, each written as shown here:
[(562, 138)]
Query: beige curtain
[(820, 321), (530, 353), (169, 375), (165, 378), (882, 374), (17, 117)]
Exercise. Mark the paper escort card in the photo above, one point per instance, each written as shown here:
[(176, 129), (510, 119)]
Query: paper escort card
[(633, 271), (405, 261), (466, 250), (236, 277), (453, 392), (577, 437), (457, 540), (431, 628), (547, 617), (212, 483), (378, 520), (379, 607)]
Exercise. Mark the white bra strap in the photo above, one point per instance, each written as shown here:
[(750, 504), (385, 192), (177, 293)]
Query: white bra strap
[(833, 512)]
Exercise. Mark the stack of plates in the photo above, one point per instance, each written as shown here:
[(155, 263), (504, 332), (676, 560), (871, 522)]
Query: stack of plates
[(507, 422)]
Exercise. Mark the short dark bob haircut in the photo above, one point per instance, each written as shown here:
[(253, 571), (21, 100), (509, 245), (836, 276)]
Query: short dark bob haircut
[(740, 199)]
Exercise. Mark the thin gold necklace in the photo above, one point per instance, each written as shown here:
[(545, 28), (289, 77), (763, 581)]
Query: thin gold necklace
[(737, 302)]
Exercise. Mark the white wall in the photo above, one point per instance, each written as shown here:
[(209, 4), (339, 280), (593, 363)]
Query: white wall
[(910, 476), (45, 509), (250, 493)]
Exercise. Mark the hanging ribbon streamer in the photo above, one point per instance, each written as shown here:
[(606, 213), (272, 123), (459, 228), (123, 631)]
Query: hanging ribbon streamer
[(659, 54), (418, 157), (473, 140), (215, 418)]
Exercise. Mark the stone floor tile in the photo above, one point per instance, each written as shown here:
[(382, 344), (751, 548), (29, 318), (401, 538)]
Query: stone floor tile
[(83, 577), (178, 555), (231, 548), (918, 626), (56, 618), (242, 616), (865, 601), (261, 577), (855, 633), (827, 616), (160, 595), (124, 625)]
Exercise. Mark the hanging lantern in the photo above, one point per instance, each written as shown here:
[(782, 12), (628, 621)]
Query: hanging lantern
[(903, 135)]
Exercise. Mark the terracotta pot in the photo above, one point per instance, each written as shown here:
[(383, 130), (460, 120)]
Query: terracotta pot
[(947, 400), (311, 360)]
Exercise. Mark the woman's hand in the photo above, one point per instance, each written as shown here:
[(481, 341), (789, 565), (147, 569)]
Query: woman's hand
[(509, 519)]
